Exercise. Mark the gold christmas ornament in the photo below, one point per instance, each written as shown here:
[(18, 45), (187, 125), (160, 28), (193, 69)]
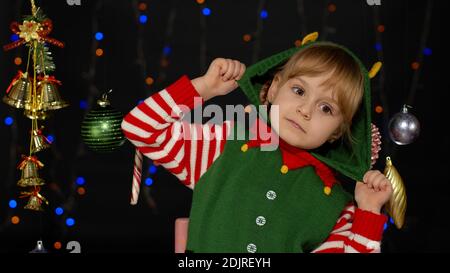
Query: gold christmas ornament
[(18, 94), (35, 201), (30, 177), (50, 98), (38, 141), (37, 114), (396, 207)]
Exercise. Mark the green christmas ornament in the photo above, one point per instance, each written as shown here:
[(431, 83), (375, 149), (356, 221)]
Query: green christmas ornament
[(101, 128)]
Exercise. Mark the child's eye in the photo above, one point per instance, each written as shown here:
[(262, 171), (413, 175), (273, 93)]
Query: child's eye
[(298, 90), (326, 109)]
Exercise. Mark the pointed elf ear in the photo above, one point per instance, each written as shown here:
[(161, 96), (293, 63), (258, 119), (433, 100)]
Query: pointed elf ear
[(374, 70), (312, 37)]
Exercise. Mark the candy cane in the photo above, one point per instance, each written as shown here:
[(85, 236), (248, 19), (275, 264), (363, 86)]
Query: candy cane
[(136, 184)]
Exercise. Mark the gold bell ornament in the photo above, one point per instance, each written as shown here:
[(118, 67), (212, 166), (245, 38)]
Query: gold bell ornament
[(49, 97), (29, 167), (37, 114), (35, 201), (396, 207), (18, 94), (38, 141)]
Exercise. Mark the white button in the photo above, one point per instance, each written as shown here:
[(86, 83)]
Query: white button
[(251, 248), (260, 220), (271, 195)]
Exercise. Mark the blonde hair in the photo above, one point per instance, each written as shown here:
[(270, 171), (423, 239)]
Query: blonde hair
[(346, 78)]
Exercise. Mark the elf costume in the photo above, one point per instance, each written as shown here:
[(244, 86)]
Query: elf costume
[(249, 200)]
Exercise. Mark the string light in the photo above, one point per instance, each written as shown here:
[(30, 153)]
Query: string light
[(143, 19), (378, 47), (15, 220), (379, 109), (149, 80), (380, 28), (331, 8), (14, 37), (167, 50), (70, 222), (81, 191), (12, 203), (152, 169), (80, 180), (83, 104), (142, 6), (57, 245), (247, 37), (298, 43), (99, 36), (99, 52), (264, 14), (200, 2), (59, 211), (50, 138), (415, 65), (148, 181), (17, 61), (427, 51), (8, 121), (206, 11)]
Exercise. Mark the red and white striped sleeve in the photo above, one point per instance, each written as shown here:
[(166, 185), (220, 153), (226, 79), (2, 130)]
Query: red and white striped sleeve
[(356, 231), (156, 128)]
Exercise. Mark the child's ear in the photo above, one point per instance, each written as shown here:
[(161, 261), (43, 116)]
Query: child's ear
[(273, 89)]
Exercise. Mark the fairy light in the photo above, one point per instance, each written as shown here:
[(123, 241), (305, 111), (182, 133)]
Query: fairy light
[(379, 109), (415, 65), (206, 11), (57, 245), (81, 191), (99, 36), (200, 2), (247, 37), (331, 8), (148, 181), (12, 203), (80, 180), (70, 222), (143, 19), (142, 6), (298, 43), (59, 211), (149, 80), (380, 28), (264, 14), (99, 52), (8, 121), (15, 220), (17, 61)]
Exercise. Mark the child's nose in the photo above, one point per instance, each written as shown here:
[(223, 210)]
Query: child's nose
[(305, 111)]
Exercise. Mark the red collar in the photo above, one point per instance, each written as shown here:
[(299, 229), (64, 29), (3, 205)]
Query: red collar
[(293, 157)]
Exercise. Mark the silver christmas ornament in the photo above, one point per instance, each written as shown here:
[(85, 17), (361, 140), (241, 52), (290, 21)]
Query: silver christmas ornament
[(404, 128)]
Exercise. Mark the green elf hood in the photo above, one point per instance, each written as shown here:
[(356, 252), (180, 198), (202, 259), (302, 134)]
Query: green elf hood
[(352, 160)]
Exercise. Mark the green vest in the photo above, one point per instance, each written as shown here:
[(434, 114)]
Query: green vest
[(243, 203)]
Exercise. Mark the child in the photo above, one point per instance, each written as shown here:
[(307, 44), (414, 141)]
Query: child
[(288, 199)]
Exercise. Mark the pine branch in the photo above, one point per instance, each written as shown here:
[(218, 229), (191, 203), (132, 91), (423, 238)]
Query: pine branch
[(40, 16), (44, 59)]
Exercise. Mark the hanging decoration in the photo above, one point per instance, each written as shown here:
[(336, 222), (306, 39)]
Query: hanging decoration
[(404, 128), (101, 128), (35, 91)]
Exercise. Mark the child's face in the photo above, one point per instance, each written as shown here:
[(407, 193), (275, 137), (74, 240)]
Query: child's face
[(308, 112)]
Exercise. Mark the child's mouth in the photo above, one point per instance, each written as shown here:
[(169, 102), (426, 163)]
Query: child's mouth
[(296, 125)]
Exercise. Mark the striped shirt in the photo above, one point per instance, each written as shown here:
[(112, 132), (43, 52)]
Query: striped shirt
[(156, 127)]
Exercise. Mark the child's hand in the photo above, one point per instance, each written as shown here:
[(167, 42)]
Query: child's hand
[(374, 192), (220, 79)]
